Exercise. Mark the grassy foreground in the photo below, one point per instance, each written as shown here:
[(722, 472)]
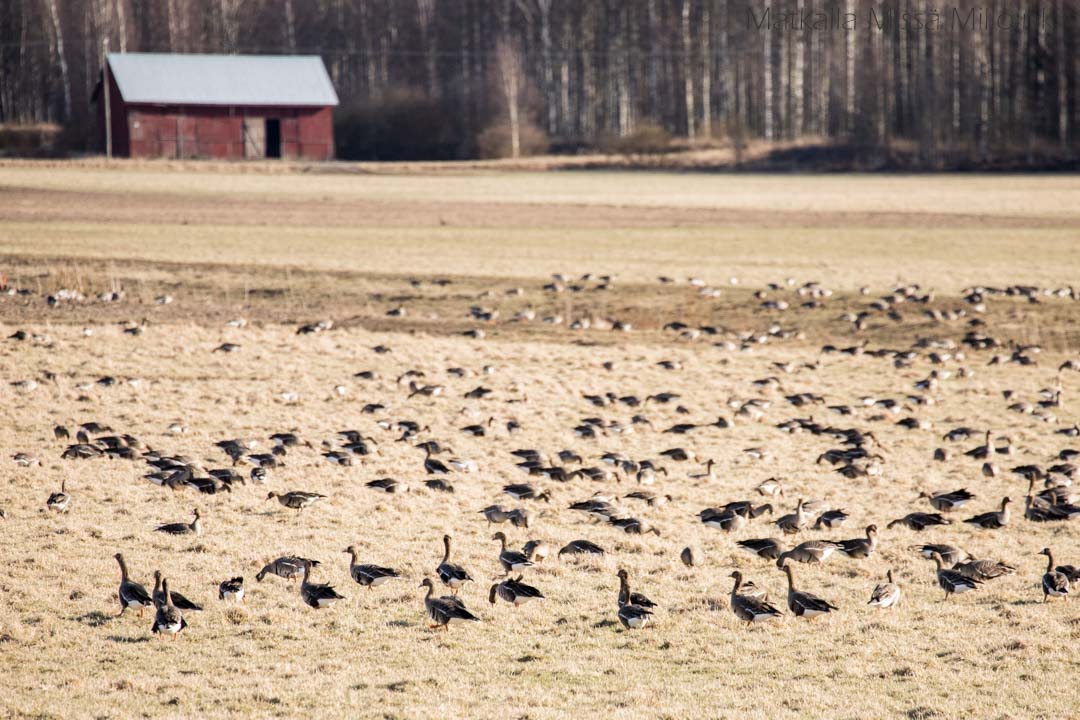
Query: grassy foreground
[(279, 250)]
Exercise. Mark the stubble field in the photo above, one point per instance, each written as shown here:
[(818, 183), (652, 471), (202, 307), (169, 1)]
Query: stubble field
[(282, 249)]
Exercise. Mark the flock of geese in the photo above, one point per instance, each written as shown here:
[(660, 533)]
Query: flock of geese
[(857, 455)]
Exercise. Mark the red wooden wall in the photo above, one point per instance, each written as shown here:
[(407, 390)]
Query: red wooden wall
[(194, 131)]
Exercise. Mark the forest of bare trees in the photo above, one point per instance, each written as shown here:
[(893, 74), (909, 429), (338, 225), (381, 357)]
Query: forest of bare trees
[(467, 77)]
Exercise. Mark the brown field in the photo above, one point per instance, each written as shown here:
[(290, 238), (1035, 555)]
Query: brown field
[(284, 248)]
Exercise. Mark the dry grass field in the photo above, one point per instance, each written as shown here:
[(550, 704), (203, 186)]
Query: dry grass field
[(283, 249)]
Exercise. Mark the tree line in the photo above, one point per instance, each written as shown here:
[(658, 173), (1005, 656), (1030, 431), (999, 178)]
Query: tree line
[(461, 78)]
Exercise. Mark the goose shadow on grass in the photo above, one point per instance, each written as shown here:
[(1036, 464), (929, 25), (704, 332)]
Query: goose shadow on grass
[(95, 618), (127, 639)]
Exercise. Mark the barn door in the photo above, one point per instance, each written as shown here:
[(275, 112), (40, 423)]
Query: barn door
[(254, 137)]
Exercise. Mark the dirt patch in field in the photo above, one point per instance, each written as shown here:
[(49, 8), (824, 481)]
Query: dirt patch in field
[(31, 204)]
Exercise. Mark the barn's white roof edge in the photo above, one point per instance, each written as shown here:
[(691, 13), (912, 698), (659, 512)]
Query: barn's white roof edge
[(247, 80)]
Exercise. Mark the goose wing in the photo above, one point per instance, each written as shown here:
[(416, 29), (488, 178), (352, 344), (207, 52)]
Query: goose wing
[(802, 603), (449, 571), (132, 593)]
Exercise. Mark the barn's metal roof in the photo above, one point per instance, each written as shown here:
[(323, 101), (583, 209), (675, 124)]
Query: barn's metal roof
[(293, 80)]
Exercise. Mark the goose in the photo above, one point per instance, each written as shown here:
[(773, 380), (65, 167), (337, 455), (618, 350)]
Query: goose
[(131, 593), (368, 576), (525, 491), (1054, 582), (626, 597), (59, 501), (859, 547), (633, 526), (511, 560), (804, 604), (653, 499), (952, 581), (793, 522), (830, 519), (168, 618), (689, 556), (983, 451), (984, 569), (581, 547), (452, 575), (289, 567), (709, 474), (177, 599), (496, 514), (317, 595), (633, 616), (886, 594), (296, 499), (726, 520), (771, 487), (747, 608), (192, 528), (919, 521), (439, 485), (950, 554), (515, 592), (811, 551), (232, 590), (948, 501), (434, 466), (769, 548), (993, 520), (387, 485), (446, 609)]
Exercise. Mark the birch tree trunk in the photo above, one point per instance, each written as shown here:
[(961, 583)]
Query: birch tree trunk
[(65, 78), (688, 76)]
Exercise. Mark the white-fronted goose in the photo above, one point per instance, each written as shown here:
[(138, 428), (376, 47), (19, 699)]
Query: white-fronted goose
[(750, 609), (949, 553), (886, 594), (515, 592), (511, 560), (919, 521), (59, 501), (131, 593), (811, 551), (526, 491), (993, 520), (726, 520), (689, 556), (859, 547), (368, 576), (177, 599), (232, 589), (793, 522), (450, 574), (1054, 582), (634, 617), (653, 499), (296, 499), (634, 526), (317, 595), (191, 528), (952, 581), (982, 570), (709, 474), (769, 548), (536, 550), (831, 519), (168, 619), (626, 597), (948, 501), (288, 567), (801, 603), (581, 547), (446, 609), (771, 487)]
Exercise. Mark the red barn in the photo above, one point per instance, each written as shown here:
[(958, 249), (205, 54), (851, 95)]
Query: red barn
[(217, 106)]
